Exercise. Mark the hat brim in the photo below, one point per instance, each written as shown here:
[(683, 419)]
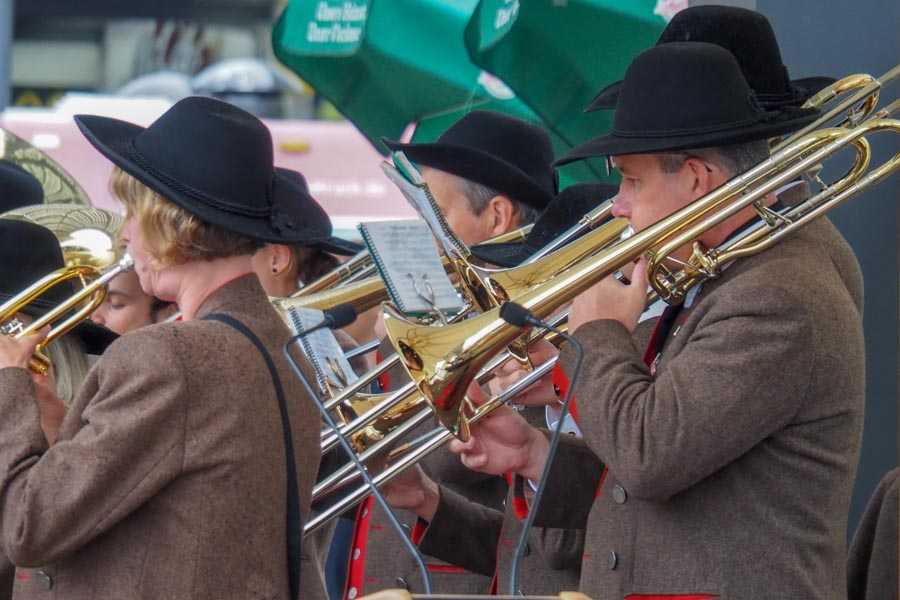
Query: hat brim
[(96, 338), (505, 254), (340, 246), (566, 211), (771, 124), (478, 166), (115, 140), (800, 92)]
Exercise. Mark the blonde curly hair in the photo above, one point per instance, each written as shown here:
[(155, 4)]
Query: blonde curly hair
[(171, 234)]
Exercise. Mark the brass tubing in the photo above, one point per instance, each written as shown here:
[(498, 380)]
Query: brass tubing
[(439, 437)]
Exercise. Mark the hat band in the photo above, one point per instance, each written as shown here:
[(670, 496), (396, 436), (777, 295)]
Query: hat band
[(689, 131), (238, 209)]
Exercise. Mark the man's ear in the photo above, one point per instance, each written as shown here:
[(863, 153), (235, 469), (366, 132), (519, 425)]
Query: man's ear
[(501, 213), (703, 180)]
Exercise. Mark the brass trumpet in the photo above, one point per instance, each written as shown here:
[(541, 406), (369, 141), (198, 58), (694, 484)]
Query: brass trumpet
[(88, 236), (83, 302)]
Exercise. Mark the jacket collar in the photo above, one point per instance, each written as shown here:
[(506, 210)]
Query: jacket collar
[(243, 294)]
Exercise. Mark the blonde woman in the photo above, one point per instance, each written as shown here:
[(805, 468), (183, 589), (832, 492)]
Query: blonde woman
[(185, 465)]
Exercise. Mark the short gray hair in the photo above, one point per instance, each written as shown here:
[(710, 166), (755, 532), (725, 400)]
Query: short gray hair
[(480, 195), (734, 158)]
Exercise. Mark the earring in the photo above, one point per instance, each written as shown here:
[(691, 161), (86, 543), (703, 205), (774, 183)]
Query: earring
[(274, 270)]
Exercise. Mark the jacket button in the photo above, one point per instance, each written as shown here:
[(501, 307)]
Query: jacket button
[(401, 582), (619, 494), (44, 580), (613, 561)]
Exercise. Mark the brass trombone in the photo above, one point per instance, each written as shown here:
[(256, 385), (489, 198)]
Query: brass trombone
[(442, 361), (381, 411), (356, 282), (860, 91), (83, 302)]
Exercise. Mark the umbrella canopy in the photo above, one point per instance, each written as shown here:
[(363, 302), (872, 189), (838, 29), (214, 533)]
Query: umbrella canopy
[(386, 64), (557, 55), (382, 63)]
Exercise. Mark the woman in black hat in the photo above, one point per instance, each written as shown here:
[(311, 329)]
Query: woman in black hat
[(283, 268), (185, 466)]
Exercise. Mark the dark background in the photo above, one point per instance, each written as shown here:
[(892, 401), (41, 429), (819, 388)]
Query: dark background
[(836, 39)]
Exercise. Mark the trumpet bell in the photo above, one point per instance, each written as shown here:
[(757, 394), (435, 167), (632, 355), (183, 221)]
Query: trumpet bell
[(88, 236)]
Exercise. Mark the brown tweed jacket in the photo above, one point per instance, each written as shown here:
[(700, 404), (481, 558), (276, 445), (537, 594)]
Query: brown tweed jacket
[(168, 477), (730, 471), (873, 560), (484, 540), (388, 565)]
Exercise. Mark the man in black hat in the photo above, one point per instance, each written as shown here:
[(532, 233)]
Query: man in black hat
[(489, 173), (748, 35), (730, 453)]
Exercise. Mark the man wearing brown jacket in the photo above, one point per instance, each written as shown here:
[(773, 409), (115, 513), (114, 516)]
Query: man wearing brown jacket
[(731, 454), (490, 174)]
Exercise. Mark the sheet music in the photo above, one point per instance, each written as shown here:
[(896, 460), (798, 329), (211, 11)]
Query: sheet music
[(322, 350), (406, 256), (410, 183)]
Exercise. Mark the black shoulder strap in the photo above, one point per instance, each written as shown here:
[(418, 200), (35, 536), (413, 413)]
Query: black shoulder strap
[(294, 518)]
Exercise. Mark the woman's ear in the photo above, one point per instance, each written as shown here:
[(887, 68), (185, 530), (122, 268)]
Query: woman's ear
[(280, 259)]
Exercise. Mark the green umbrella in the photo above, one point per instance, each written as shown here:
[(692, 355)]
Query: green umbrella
[(382, 63), (557, 54), (386, 64)]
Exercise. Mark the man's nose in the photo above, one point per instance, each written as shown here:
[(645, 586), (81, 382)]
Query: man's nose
[(620, 207)]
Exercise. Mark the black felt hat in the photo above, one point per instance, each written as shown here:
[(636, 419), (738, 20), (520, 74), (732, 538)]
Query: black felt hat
[(18, 187), (749, 36), (29, 252), (501, 152), (215, 161), (686, 95), (334, 244), (566, 209)]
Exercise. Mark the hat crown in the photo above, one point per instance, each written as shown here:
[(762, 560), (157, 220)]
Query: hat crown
[(18, 187), (683, 87), (517, 142), (29, 252), (236, 148), (747, 34)]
